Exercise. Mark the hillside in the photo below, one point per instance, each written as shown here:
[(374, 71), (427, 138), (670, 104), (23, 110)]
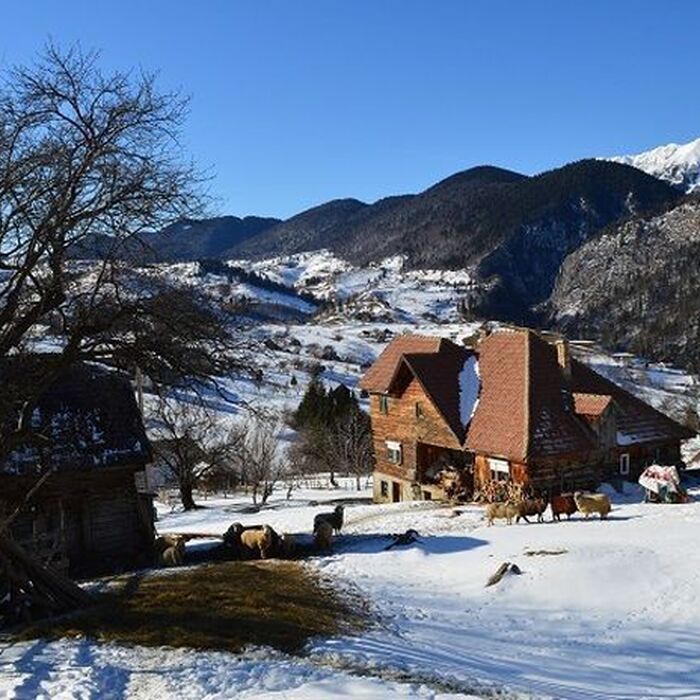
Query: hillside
[(182, 241), (635, 286), (511, 231)]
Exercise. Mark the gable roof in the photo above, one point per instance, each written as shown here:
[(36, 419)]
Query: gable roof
[(637, 421), (528, 407), (440, 381), (379, 377), (87, 417)]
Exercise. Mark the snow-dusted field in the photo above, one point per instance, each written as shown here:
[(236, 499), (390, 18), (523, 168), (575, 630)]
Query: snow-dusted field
[(614, 615)]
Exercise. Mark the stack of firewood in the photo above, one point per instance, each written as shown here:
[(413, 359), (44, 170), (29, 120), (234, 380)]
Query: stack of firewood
[(29, 590)]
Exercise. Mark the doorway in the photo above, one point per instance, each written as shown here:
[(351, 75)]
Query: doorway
[(395, 492)]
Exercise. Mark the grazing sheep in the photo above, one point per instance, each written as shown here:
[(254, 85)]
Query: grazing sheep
[(531, 506), (287, 546), (506, 511), (335, 519), (173, 555), (258, 542), (165, 542), (323, 535), (232, 540), (589, 503), (564, 504)]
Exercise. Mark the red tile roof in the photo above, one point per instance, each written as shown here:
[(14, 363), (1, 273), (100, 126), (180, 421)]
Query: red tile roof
[(591, 404), (380, 375), (528, 407)]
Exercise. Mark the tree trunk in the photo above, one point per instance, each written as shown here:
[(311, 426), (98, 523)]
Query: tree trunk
[(357, 482), (186, 496)]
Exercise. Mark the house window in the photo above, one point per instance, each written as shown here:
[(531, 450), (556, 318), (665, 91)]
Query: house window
[(427, 496), (500, 470), (384, 489), (383, 403), (419, 409), (624, 464), (394, 452)]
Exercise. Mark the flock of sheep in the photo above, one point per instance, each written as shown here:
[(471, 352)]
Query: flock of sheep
[(564, 504), (254, 541), (262, 542)]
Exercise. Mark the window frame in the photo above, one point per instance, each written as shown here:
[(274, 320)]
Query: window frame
[(394, 451), (624, 464), (383, 404)]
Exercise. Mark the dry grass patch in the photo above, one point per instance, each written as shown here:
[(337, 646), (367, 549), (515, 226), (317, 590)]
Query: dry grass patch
[(218, 606)]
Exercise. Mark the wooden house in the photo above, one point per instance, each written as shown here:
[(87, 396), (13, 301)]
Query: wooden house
[(516, 406), (88, 516)]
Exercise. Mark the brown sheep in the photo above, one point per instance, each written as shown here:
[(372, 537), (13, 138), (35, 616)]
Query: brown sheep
[(258, 542), (589, 503), (564, 504), (323, 535), (506, 511), (531, 506)]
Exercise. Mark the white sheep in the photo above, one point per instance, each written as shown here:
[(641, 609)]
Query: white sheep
[(590, 503)]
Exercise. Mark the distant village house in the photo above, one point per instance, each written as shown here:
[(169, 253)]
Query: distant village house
[(448, 419)]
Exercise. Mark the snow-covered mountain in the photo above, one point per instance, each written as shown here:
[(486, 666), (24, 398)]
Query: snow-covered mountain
[(676, 163)]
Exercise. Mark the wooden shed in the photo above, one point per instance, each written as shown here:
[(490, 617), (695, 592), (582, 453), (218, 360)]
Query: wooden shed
[(89, 516)]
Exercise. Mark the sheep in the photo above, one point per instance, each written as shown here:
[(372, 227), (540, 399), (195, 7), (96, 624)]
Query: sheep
[(232, 540), (335, 519), (323, 535), (508, 511), (173, 555), (531, 506), (589, 503), (164, 542), (287, 546), (564, 504), (258, 542)]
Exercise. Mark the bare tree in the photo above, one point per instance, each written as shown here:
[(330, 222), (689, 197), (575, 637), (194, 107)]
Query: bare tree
[(343, 446), (89, 162), (261, 462), (349, 445), (192, 445)]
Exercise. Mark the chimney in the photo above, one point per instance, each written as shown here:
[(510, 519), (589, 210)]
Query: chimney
[(564, 356)]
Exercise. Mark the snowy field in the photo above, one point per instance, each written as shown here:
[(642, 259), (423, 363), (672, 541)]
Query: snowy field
[(610, 611)]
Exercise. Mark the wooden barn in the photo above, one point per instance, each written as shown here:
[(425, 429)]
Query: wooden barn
[(89, 516), (447, 419)]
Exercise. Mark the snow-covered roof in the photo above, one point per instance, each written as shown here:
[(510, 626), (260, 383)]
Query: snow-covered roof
[(87, 418)]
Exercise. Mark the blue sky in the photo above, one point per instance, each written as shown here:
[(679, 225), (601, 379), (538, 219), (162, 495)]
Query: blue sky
[(295, 103)]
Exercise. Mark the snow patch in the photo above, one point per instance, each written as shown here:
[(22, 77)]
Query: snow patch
[(469, 385)]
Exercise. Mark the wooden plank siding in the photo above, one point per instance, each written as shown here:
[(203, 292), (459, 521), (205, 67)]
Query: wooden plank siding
[(411, 418), (89, 521)]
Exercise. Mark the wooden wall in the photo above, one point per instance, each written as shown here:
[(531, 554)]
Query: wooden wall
[(96, 521), (402, 424)]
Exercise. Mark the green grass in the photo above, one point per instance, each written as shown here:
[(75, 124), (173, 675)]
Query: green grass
[(224, 606)]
